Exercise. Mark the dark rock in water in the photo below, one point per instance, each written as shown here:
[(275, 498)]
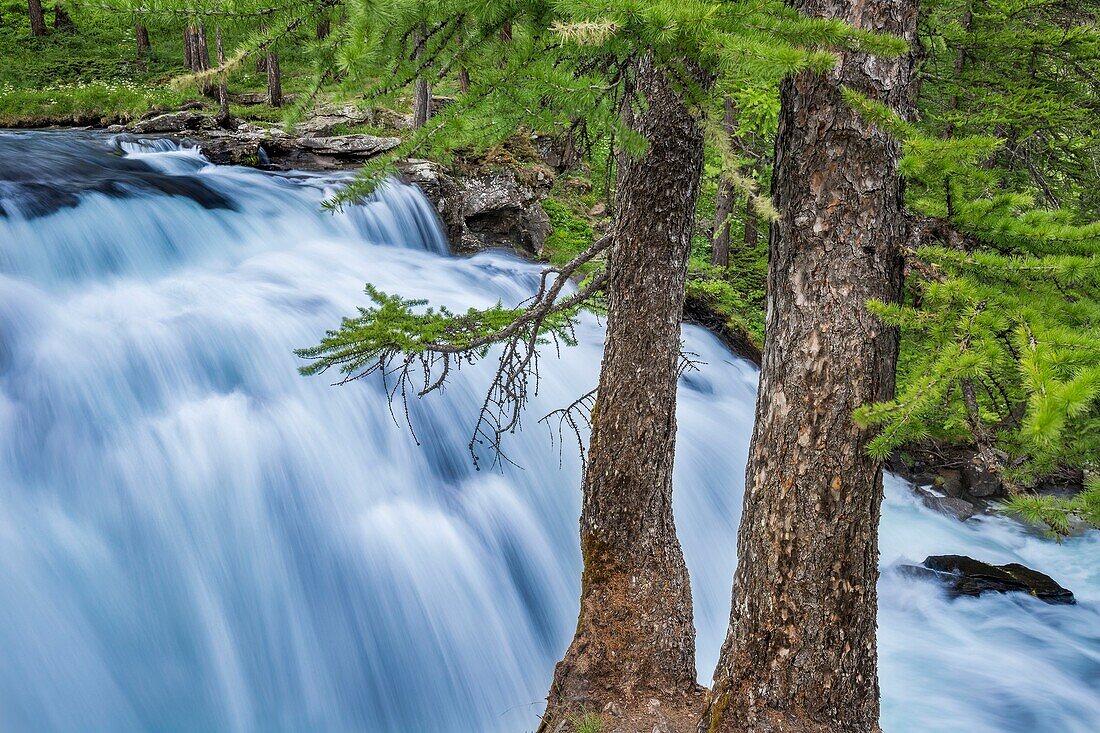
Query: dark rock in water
[(950, 482), (965, 576), (982, 483), (953, 506), (52, 177), (174, 122)]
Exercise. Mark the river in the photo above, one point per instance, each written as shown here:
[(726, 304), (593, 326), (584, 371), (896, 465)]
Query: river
[(193, 537)]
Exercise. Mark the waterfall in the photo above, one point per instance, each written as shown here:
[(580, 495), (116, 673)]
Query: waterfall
[(195, 538)]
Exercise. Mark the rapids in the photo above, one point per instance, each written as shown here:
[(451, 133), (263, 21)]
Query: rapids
[(195, 538)]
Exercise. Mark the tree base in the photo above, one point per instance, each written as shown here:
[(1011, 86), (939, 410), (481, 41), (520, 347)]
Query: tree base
[(675, 713)]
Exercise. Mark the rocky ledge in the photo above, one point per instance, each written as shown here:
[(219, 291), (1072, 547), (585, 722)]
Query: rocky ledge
[(481, 207), (311, 145), (965, 576)]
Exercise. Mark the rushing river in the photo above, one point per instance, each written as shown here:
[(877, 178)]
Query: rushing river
[(195, 538)]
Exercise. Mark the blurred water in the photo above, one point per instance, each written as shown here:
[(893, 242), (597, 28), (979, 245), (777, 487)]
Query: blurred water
[(195, 538)]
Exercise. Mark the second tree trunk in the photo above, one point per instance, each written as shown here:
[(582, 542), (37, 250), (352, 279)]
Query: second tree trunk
[(800, 654)]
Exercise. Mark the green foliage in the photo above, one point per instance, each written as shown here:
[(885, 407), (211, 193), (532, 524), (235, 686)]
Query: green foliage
[(1001, 328), (1059, 514), (587, 723), (569, 234), (92, 73), (396, 327)]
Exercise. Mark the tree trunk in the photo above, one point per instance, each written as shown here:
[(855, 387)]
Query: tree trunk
[(189, 47), (324, 27), (752, 224), (38, 20), (800, 654), (723, 206), (200, 58), (960, 65), (464, 80), (141, 36), (62, 21), (635, 639), (223, 118), (422, 97), (274, 81)]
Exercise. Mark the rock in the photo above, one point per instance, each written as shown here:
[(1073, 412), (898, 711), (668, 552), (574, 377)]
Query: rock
[(950, 482), (965, 576), (348, 146), (192, 105), (174, 122), (598, 211), (982, 483), (251, 99), (485, 210), (229, 149), (952, 506), (116, 128)]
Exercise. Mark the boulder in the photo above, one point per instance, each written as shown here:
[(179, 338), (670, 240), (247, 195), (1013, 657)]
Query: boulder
[(982, 483), (185, 121), (952, 506), (950, 482), (483, 210), (965, 576), (348, 146)]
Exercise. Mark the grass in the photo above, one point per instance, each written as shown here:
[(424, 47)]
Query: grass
[(587, 723), (91, 75)]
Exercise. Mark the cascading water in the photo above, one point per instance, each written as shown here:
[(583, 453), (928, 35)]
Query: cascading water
[(195, 538)]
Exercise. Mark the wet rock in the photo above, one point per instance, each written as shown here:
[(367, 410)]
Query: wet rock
[(952, 506), (187, 120), (233, 149), (965, 576), (982, 483), (950, 482), (485, 210), (348, 146)]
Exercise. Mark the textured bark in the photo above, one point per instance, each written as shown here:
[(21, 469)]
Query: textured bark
[(274, 80), (422, 95), (800, 654), (141, 37), (635, 639), (752, 224), (200, 58), (188, 47), (223, 118), (324, 27), (723, 206), (464, 80), (38, 20)]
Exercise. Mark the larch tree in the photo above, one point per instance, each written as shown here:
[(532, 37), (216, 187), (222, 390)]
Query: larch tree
[(800, 654), (542, 67), (1000, 356), (37, 18)]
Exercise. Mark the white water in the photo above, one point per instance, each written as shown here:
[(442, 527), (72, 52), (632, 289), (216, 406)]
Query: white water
[(195, 538)]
